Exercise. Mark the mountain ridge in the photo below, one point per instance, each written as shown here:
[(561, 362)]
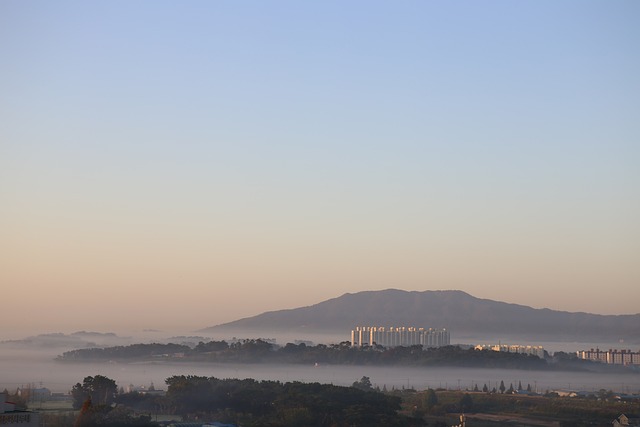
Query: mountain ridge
[(458, 311)]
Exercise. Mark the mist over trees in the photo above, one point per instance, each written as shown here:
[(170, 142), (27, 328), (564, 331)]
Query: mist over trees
[(259, 351)]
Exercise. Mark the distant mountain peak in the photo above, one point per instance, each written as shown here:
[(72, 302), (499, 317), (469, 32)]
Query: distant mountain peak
[(456, 310)]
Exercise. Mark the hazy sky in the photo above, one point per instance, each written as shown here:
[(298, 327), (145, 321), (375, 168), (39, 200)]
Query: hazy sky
[(182, 164)]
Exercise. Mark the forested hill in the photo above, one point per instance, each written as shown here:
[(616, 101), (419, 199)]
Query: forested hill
[(259, 351), (457, 311)]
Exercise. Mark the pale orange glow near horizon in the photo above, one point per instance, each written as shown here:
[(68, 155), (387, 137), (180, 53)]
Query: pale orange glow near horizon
[(220, 161)]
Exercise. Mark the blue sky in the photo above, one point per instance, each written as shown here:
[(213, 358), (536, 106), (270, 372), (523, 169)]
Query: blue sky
[(276, 154)]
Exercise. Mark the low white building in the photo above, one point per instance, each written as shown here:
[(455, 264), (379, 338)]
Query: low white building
[(624, 421), (10, 417), (534, 350)]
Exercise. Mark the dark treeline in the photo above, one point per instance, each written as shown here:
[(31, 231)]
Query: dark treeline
[(126, 352), (597, 409), (251, 403), (247, 402), (259, 351), (274, 403)]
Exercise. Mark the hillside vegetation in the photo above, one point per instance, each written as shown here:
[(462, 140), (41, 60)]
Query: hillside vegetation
[(259, 351)]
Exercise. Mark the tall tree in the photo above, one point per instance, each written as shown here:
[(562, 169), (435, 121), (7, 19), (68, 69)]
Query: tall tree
[(430, 398), (363, 384), (99, 389), (466, 403)]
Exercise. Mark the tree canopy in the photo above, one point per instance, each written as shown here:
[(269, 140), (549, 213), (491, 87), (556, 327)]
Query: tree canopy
[(260, 351), (274, 403), (99, 389)]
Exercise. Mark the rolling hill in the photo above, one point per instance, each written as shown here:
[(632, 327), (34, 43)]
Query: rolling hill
[(461, 313)]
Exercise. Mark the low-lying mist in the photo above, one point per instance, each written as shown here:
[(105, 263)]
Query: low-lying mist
[(31, 361)]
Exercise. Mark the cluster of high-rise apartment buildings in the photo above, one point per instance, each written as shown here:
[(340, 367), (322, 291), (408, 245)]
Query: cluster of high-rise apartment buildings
[(612, 357), (399, 336)]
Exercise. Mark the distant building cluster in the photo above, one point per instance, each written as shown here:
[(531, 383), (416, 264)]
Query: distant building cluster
[(534, 350), (149, 391), (611, 357), (399, 336)]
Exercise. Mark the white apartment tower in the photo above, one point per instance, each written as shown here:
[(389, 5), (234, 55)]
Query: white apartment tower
[(611, 357), (399, 336)]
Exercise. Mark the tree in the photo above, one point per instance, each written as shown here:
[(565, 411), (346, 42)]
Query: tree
[(85, 417), (430, 398), (502, 387), (466, 403), (107, 416), (363, 384), (485, 389), (99, 389), (605, 395)]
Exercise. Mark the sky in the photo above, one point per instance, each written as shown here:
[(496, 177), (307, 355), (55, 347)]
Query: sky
[(176, 165)]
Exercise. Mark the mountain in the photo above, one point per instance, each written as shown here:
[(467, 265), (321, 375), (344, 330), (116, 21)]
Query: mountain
[(457, 311)]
